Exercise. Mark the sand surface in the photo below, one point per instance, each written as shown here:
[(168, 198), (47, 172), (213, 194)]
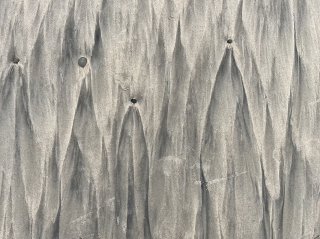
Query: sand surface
[(164, 130)]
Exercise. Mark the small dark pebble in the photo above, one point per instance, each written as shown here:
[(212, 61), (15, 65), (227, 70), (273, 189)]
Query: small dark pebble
[(133, 100), (229, 41), (82, 62), (15, 60)]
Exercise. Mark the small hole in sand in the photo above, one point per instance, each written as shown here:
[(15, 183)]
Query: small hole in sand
[(82, 62), (133, 100), (229, 41), (15, 60)]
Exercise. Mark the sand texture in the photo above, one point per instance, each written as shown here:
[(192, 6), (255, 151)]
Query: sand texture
[(184, 119)]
